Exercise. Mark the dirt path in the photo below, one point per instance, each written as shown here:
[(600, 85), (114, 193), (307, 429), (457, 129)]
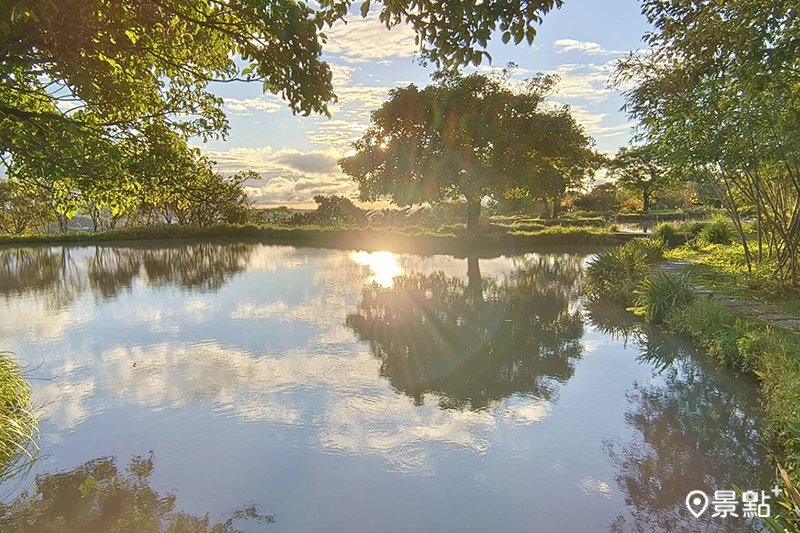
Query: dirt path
[(752, 308)]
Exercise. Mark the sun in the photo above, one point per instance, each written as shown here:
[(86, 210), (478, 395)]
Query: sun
[(383, 265)]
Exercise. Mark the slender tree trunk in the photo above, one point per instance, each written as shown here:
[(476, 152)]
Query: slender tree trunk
[(474, 280), (556, 205), (473, 215), (646, 201)]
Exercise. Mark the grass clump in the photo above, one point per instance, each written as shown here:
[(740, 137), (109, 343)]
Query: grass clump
[(615, 273), (719, 231), (677, 233), (661, 294), (18, 428)]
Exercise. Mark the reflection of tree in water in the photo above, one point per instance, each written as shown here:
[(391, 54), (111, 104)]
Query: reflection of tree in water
[(111, 270), (480, 342), (98, 497), (697, 428), (203, 266), (40, 270)]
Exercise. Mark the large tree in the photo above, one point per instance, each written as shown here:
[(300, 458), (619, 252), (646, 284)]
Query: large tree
[(640, 169), (464, 137)]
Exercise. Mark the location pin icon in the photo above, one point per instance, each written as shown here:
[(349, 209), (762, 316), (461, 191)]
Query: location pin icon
[(697, 502)]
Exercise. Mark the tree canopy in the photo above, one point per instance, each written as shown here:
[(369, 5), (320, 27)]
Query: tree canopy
[(640, 170), (107, 69), (717, 95), (467, 137)]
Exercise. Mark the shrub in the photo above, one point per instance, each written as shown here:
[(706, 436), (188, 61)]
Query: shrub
[(678, 233), (661, 294), (725, 336), (667, 232), (615, 273), (652, 249), (719, 231)]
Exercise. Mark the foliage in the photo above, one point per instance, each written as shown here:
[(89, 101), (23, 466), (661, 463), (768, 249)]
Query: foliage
[(279, 216), (716, 95), (88, 85), (601, 198), (332, 210), (660, 294), (677, 233), (99, 496), (20, 210), (18, 427), (615, 273), (640, 169), (469, 137), (719, 231)]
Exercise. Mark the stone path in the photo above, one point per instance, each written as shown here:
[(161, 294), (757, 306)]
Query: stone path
[(752, 308)]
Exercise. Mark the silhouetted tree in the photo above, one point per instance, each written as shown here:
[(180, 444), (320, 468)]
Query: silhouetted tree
[(469, 137)]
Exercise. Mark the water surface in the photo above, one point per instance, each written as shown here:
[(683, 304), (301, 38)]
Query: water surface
[(303, 389)]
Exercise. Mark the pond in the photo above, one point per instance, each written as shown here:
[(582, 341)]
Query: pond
[(271, 388)]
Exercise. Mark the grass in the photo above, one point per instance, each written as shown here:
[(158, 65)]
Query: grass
[(724, 268), (448, 240), (656, 296), (615, 273), (18, 428)]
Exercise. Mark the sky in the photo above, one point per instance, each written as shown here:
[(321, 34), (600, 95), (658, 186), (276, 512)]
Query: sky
[(296, 156)]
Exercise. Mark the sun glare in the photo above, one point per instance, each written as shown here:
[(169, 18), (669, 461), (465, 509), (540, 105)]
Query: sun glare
[(383, 265)]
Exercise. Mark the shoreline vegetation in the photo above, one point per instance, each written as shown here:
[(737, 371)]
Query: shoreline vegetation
[(629, 276), (18, 426), (418, 241)]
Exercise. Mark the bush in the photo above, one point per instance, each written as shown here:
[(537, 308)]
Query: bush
[(601, 198), (615, 273), (659, 295), (719, 231), (677, 233), (725, 336), (652, 249), (667, 232)]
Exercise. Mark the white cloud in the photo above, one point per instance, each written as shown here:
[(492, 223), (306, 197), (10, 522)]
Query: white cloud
[(258, 104), (351, 117), (595, 123), (299, 192), (288, 177), (586, 47), (266, 161), (585, 81), (361, 40)]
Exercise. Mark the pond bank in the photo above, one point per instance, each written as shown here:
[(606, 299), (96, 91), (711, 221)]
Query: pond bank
[(348, 238)]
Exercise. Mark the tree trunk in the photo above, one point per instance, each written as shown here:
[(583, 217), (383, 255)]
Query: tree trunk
[(473, 215), (474, 280), (556, 206), (646, 201)]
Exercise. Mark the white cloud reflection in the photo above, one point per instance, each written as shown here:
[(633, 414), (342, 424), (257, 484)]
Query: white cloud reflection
[(325, 380)]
